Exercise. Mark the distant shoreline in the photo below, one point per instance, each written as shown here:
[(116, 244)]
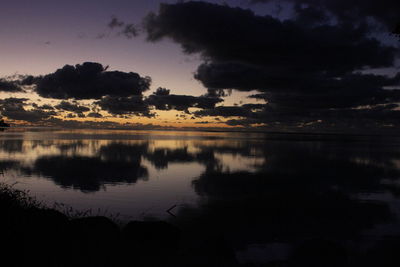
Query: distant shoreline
[(266, 132)]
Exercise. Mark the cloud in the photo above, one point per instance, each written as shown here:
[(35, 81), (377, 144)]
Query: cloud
[(115, 23), (306, 67), (70, 116), (43, 107), (72, 107), (163, 100), (94, 115), (128, 30), (224, 111), (13, 102), (242, 122), (385, 116), (222, 33), (125, 105), (14, 109), (87, 124), (88, 81), (397, 30), (9, 86), (385, 11)]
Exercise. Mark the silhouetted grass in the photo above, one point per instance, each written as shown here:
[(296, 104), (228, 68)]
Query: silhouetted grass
[(37, 235), (11, 198), (74, 213)]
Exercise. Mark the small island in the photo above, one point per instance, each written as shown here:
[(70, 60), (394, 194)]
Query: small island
[(3, 123)]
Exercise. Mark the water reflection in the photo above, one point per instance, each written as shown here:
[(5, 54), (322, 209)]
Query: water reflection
[(251, 189), (304, 190)]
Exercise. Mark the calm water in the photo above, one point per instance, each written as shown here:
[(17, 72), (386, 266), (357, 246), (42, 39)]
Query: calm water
[(266, 191), (134, 173)]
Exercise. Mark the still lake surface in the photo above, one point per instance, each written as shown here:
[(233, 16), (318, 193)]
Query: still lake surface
[(135, 174), (261, 190)]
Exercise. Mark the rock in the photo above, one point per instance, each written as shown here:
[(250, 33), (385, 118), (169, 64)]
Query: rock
[(94, 226), (38, 231), (95, 241), (317, 253), (385, 253), (151, 243), (157, 233)]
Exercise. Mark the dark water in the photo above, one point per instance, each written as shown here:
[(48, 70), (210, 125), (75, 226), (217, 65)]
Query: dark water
[(135, 173), (264, 193)]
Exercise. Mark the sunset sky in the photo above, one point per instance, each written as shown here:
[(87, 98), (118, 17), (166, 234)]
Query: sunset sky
[(305, 65)]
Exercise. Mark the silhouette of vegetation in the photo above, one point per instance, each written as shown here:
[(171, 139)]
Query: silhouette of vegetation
[(35, 235)]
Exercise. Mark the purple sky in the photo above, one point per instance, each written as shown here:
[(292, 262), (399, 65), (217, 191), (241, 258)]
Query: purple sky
[(42, 36), (39, 37)]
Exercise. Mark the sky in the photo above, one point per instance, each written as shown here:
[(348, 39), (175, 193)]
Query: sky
[(289, 64)]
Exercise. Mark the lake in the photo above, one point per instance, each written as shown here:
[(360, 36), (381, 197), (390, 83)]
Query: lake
[(132, 173), (263, 192)]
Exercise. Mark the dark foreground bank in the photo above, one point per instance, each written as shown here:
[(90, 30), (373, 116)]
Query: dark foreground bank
[(34, 235)]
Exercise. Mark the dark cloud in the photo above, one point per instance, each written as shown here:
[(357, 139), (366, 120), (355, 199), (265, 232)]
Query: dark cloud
[(352, 87), (214, 92), (383, 116), (9, 86), (222, 33), (43, 107), (94, 115), (101, 36), (14, 109), (385, 11), (87, 124), (397, 30), (242, 122), (128, 30), (70, 116), (253, 106), (346, 119), (125, 105), (88, 81), (250, 113), (115, 23), (13, 102), (224, 111), (163, 100), (72, 107), (307, 68), (162, 91), (118, 93)]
